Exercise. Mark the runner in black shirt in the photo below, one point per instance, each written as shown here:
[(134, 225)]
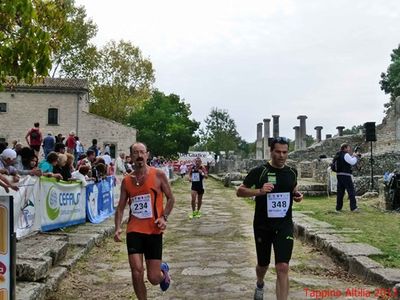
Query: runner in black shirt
[(274, 187), (197, 173)]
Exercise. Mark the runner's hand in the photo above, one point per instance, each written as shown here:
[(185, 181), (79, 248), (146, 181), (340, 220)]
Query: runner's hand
[(117, 235), (161, 223), (297, 196), (267, 188)]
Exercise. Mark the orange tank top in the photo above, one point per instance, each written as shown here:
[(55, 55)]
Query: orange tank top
[(146, 204)]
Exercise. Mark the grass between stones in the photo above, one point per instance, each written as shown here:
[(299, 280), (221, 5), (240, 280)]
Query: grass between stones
[(378, 228)]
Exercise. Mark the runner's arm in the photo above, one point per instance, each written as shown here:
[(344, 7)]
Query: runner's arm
[(244, 191), (119, 213), (26, 136)]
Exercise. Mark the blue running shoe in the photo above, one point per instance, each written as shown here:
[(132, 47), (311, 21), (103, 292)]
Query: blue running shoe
[(164, 284)]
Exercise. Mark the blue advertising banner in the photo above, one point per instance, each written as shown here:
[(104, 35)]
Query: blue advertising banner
[(100, 200)]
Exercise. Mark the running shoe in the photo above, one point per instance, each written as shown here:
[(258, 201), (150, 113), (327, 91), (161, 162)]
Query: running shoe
[(198, 214), (192, 215), (259, 293), (164, 284)]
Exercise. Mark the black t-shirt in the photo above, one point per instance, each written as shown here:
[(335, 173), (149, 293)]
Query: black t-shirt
[(284, 180), (197, 178)]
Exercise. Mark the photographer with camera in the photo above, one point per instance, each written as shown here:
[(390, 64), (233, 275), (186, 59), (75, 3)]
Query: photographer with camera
[(346, 159)]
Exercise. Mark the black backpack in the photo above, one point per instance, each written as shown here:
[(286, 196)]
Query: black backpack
[(333, 164)]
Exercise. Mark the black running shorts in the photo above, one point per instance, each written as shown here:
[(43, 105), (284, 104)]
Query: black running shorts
[(148, 244), (281, 239), (198, 190)]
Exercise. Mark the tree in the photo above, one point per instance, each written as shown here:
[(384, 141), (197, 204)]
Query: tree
[(122, 81), (30, 32), (390, 82), (220, 132), (354, 130), (76, 57), (164, 125)]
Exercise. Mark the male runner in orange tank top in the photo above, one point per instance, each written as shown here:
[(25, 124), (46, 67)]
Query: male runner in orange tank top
[(143, 190)]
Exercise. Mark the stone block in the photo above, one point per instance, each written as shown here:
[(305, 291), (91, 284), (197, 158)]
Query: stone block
[(72, 257), (362, 265), (37, 246), (387, 277), (30, 290), (33, 269), (56, 275)]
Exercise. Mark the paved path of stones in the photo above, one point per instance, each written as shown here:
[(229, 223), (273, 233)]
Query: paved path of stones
[(210, 258)]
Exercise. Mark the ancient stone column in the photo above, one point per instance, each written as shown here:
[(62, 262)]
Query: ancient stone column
[(340, 130), (302, 134), (275, 126), (266, 136), (328, 136), (259, 145), (296, 137), (318, 132)]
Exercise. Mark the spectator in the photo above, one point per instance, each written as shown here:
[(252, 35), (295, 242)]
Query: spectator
[(60, 138), (62, 168), (3, 145), (119, 163), (78, 148), (47, 165), (128, 164), (81, 175), (7, 161), (27, 162), (59, 148), (71, 143), (91, 156), (48, 144), (107, 158), (34, 138), (107, 148), (70, 162), (94, 147)]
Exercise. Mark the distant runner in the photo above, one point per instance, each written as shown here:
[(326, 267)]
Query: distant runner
[(197, 173)]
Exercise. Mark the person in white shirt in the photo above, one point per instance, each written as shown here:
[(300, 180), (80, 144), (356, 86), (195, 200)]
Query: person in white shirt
[(346, 159), (183, 169), (120, 164)]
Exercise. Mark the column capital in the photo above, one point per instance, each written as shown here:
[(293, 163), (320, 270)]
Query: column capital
[(267, 120), (302, 117), (318, 127)]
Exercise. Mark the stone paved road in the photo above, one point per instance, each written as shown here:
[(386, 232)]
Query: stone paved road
[(210, 258)]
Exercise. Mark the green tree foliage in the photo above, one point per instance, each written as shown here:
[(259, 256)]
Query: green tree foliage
[(30, 32), (390, 82), (77, 57), (122, 81), (354, 130), (164, 126), (220, 132)]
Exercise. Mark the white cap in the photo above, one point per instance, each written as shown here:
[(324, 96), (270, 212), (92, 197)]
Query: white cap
[(9, 153)]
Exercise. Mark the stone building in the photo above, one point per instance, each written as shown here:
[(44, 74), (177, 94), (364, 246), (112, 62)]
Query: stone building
[(60, 106)]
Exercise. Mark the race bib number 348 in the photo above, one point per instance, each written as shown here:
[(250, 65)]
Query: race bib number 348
[(278, 204), (141, 206)]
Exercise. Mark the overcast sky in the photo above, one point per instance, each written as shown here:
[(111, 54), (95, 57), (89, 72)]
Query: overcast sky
[(256, 58)]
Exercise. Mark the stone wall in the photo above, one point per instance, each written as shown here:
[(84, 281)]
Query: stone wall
[(329, 147), (30, 104), (25, 108), (107, 131)]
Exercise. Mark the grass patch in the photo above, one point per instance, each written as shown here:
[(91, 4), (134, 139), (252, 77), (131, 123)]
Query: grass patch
[(378, 228)]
